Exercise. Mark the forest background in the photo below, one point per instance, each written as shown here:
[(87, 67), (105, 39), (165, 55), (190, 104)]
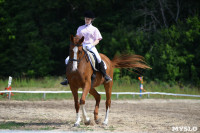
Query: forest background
[(34, 36)]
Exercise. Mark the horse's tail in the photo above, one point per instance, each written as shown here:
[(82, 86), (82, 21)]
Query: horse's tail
[(130, 61)]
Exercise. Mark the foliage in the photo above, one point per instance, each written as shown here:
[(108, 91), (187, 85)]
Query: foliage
[(174, 52), (34, 36)]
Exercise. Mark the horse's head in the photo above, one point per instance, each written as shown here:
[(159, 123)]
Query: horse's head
[(76, 51)]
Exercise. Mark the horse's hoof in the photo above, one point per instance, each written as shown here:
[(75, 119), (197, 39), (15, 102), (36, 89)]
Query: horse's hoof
[(76, 125), (104, 124), (87, 122), (98, 121)]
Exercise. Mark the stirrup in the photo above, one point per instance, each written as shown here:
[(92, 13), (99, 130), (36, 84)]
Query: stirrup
[(65, 82), (107, 79)]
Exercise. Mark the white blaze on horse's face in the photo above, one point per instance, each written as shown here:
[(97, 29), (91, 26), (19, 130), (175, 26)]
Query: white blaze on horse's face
[(75, 63)]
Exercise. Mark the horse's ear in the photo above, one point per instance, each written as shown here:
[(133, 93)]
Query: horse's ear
[(82, 39), (72, 38)]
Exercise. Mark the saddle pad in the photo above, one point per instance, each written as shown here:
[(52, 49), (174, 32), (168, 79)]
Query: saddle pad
[(92, 60)]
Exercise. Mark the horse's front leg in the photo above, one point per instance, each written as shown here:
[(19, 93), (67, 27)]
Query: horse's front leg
[(76, 103), (86, 90), (108, 88)]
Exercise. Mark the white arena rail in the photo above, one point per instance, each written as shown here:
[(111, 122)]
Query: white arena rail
[(114, 93)]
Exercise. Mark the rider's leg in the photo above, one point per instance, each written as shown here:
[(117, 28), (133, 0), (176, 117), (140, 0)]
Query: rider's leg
[(65, 82), (101, 65)]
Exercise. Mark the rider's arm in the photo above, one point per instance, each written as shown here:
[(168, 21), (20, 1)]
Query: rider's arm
[(97, 37), (95, 42)]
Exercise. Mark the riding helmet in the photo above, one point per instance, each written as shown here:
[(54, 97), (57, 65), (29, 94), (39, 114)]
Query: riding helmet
[(89, 14)]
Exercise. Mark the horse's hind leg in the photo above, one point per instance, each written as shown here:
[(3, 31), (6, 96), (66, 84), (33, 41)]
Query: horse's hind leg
[(97, 97), (108, 88)]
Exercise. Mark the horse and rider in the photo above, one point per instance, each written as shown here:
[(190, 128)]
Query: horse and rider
[(92, 37), (81, 74)]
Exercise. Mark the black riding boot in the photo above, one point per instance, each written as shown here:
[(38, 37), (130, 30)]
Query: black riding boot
[(65, 82), (103, 71)]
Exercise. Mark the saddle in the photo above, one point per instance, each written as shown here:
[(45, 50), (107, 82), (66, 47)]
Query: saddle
[(94, 63), (93, 60)]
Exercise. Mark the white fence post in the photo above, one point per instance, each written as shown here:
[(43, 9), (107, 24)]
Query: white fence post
[(9, 84), (117, 96), (9, 95), (9, 81), (44, 96)]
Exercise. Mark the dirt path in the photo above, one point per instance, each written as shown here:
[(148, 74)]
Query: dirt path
[(125, 115)]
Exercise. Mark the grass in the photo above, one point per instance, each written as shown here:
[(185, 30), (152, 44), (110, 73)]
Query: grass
[(11, 125), (47, 128), (85, 128), (51, 83), (19, 125), (110, 128), (123, 85)]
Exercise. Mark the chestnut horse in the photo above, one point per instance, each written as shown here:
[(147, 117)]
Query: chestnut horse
[(79, 72)]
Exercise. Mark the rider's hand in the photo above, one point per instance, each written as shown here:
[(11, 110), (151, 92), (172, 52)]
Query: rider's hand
[(88, 47)]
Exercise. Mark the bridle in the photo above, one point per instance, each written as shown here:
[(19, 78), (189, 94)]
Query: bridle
[(72, 59)]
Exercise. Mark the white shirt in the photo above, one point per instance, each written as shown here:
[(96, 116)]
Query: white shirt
[(89, 32)]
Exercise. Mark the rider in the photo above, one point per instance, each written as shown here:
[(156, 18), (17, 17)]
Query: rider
[(92, 36)]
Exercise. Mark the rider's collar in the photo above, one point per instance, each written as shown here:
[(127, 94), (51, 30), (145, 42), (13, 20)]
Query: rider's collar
[(88, 24)]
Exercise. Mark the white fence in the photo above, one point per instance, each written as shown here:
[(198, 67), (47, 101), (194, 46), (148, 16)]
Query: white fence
[(113, 93)]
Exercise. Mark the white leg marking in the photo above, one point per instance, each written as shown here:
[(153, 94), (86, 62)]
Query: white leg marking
[(106, 117), (78, 119), (86, 119), (75, 63)]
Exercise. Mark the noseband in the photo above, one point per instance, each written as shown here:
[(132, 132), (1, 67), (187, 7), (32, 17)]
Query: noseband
[(78, 45)]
